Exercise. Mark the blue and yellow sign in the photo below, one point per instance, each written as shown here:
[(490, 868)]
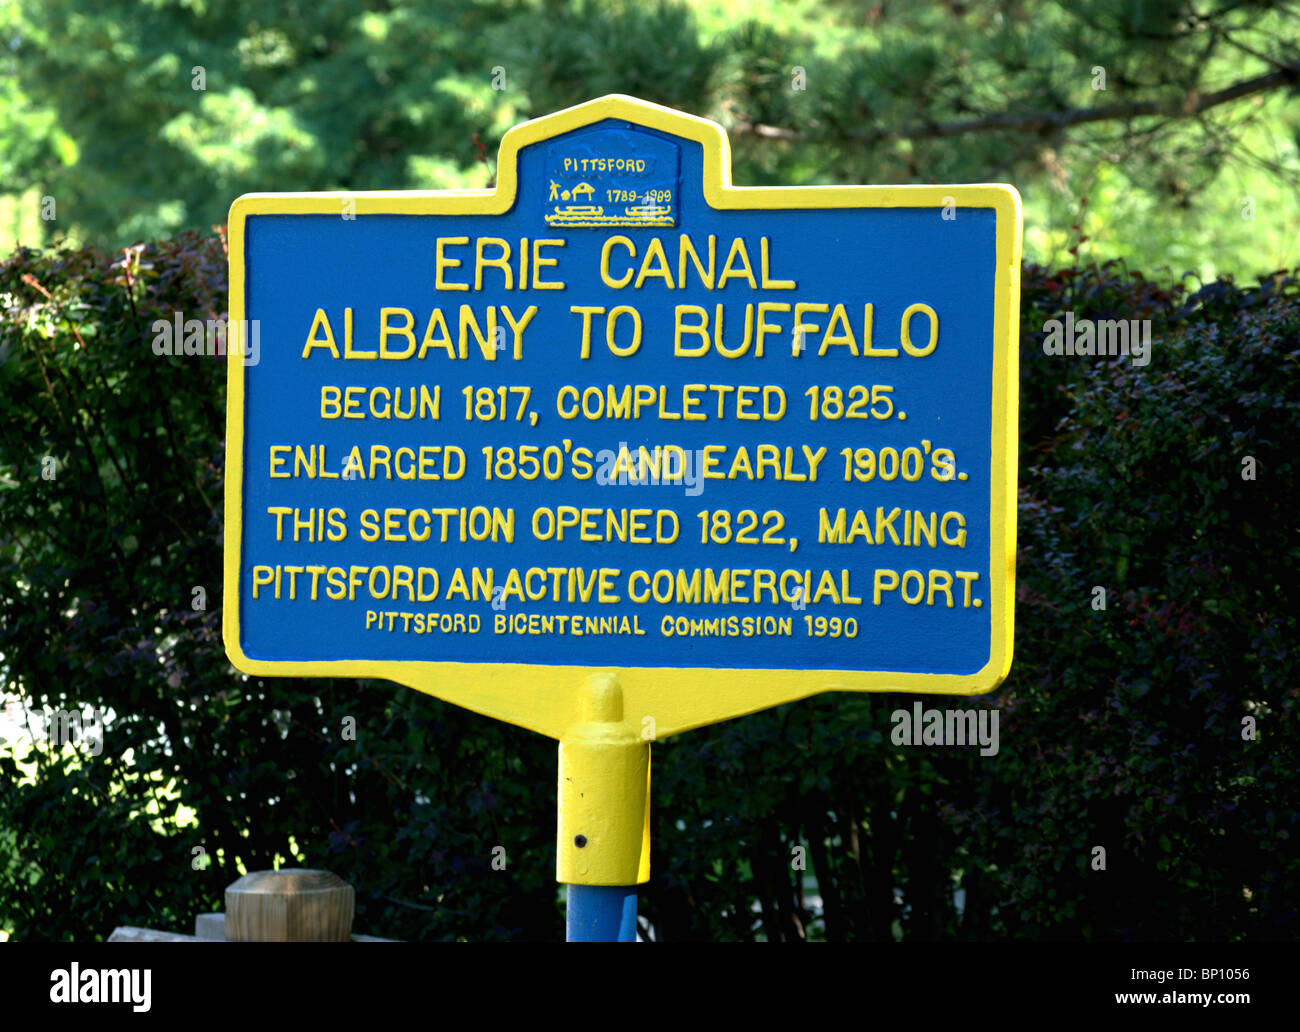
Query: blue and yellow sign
[(739, 445)]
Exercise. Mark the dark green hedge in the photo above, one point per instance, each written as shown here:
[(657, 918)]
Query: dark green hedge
[(1119, 728)]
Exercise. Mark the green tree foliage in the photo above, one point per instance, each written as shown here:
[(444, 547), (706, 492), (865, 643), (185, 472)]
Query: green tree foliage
[(97, 609), (1120, 727), (1171, 116)]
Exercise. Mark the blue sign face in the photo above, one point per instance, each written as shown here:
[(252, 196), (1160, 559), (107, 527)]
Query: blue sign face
[(634, 418)]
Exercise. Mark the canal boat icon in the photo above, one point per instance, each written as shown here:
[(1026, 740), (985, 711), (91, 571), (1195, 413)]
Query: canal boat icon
[(563, 212), (648, 211)]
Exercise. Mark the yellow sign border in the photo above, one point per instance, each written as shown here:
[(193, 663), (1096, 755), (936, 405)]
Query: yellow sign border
[(676, 699)]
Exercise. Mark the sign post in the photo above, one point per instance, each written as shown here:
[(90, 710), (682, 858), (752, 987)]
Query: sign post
[(603, 846), (616, 449)]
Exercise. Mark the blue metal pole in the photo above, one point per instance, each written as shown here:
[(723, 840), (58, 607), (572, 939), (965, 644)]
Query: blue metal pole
[(601, 913)]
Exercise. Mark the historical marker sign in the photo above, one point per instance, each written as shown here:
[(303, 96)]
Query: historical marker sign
[(740, 445)]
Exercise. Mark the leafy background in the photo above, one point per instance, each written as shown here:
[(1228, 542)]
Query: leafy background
[(1120, 728), (98, 108)]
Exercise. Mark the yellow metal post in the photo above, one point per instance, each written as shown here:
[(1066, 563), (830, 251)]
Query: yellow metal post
[(603, 841)]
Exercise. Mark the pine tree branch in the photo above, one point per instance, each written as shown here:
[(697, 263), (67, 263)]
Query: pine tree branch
[(1048, 122)]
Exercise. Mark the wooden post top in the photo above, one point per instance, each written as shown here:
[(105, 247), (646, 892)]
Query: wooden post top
[(289, 880), (289, 905)]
